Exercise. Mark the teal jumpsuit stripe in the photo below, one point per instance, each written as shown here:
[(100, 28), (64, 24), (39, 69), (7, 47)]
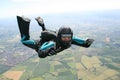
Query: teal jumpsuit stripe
[(47, 45), (27, 41), (78, 40)]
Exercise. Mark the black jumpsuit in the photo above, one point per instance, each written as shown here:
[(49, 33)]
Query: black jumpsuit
[(49, 43)]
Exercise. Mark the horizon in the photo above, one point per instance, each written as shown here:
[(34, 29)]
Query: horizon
[(68, 18)]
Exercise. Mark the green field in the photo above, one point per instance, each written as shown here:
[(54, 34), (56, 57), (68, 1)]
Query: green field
[(99, 62)]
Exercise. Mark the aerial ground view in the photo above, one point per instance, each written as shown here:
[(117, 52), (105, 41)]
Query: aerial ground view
[(101, 61), (98, 62)]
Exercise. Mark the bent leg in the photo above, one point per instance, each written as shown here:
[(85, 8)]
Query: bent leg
[(29, 43), (23, 24), (40, 22)]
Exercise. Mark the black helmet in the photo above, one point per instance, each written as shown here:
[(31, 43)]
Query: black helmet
[(65, 35)]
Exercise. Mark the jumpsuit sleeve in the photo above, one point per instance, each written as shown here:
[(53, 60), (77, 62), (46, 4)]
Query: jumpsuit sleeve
[(47, 49), (78, 41), (47, 45)]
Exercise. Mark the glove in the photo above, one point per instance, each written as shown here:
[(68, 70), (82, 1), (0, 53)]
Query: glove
[(52, 52), (42, 54), (89, 42)]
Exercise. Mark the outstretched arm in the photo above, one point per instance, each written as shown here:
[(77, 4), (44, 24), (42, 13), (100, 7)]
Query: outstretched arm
[(81, 42)]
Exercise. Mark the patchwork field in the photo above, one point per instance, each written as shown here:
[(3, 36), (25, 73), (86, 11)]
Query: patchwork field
[(91, 68), (99, 62), (88, 68), (14, 75)]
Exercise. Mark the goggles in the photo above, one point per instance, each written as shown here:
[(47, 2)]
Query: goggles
[(66, 37)]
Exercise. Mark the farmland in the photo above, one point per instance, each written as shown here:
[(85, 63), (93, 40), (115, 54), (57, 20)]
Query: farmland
[(99, 62)]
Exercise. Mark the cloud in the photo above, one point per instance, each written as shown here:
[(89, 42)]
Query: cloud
[(25, 0), (73, 5), (56, 6)]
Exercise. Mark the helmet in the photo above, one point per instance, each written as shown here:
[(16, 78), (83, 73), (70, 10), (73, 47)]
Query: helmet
[(65, 35)]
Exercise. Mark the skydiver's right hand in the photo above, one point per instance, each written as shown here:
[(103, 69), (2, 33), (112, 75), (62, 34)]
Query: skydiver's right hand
[(52, 52), (42, 54), (45, 53)]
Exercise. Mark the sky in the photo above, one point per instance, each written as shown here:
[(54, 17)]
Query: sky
[(31, 7)]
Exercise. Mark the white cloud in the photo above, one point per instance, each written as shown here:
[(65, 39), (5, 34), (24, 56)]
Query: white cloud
[(73, 5), (25, 0), (54, 6)]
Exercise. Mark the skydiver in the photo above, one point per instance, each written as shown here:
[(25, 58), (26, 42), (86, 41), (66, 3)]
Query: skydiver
[(51, 42)]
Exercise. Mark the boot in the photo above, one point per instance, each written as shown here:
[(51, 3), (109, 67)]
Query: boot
[(23, 24), (40, 22)]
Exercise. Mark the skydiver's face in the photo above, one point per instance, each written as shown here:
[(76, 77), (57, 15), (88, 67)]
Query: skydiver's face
[(66, 37)]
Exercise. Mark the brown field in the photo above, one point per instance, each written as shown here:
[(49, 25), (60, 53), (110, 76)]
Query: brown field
[(14, 75)]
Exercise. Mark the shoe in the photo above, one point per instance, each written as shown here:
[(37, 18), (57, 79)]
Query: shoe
[(40, 21), (25, 18)]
